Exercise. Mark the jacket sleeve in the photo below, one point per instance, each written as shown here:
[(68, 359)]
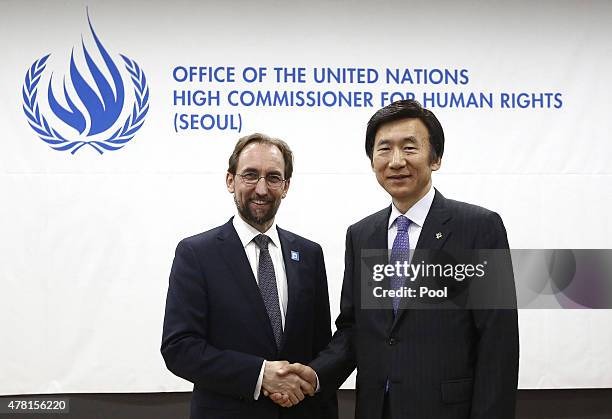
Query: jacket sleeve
[(185, 347), (336, 362), (322, 335), (322, 329), (496, 371)]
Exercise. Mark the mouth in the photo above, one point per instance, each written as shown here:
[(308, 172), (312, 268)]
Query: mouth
[(260, 202), (398, 177)]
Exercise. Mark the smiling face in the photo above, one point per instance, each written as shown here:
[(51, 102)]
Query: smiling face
[(401, 161), (257, 204)]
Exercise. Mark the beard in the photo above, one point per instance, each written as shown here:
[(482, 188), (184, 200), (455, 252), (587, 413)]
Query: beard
[(251, 217)]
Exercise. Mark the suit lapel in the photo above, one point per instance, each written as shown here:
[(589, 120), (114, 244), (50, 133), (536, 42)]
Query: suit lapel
[(378, 233), (436, 229), (377, 241), (435, 232), (289, 245), (236, 259)]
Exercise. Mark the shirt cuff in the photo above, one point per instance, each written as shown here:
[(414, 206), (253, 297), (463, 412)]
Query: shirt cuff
[(260, 381), (318, 385)]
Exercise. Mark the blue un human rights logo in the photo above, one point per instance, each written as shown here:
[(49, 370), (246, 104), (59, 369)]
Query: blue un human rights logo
[(88, 109)]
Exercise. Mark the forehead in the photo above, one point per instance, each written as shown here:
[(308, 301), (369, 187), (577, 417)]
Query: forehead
[(262, 157), (402, 129)]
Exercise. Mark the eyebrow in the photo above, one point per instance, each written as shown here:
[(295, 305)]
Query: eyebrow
[(410, 139), (271, 172)]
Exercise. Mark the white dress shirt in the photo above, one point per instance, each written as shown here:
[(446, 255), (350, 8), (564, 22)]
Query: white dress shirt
[(416, 214), (247, 233)]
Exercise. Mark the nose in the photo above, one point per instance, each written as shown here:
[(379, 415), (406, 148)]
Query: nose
[(397, 159), (261, 188)]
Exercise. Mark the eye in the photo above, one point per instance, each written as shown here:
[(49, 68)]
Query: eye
[(274, 179), (250, 176)]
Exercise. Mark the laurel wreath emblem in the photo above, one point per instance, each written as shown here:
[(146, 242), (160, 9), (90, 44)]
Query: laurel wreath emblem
[(55, 140)]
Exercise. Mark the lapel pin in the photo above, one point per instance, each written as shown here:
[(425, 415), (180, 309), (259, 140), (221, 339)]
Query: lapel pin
[(295, 255), (438, 235)]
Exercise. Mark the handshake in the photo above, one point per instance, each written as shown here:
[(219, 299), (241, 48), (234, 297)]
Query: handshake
[(287, 384)]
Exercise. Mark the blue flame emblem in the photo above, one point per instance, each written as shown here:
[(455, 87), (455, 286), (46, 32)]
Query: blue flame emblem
[(103, 104)]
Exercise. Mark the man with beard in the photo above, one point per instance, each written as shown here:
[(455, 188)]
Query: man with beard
[(246, 297)]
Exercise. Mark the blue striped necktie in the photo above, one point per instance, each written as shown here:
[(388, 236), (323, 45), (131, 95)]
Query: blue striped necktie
[(400, 252)]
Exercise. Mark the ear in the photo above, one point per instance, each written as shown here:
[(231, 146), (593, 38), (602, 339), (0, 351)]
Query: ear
[(436, 164), (286, 188), (229, 182)]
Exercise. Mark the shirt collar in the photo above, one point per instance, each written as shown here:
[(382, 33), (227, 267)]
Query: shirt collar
[(416, 213), (247, 232)]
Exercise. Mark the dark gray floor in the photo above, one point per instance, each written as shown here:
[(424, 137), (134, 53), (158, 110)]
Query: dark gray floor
[(532, 404)]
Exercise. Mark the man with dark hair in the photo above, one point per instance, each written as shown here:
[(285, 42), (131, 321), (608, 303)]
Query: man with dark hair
[(428, 363), (406, 109), (246, 296)]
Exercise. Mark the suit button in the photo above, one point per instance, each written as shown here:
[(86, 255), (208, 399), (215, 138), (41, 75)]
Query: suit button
[(392, 341)]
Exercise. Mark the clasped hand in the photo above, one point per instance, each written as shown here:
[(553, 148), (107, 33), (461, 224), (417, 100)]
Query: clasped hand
[(287, 384)]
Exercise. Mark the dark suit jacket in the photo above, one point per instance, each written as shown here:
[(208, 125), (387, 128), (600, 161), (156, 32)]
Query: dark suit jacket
[(217, 332), (441, 364)]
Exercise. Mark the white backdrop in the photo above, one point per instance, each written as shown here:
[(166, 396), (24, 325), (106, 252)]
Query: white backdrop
[(87, 240)]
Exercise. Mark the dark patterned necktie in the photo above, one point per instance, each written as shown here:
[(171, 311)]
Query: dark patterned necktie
[(267, 287), (400, 252)]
